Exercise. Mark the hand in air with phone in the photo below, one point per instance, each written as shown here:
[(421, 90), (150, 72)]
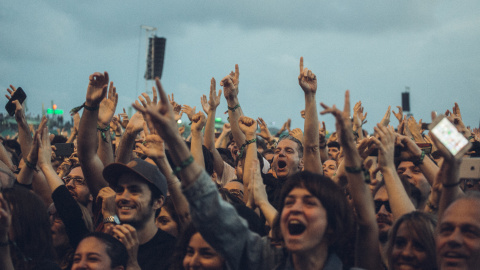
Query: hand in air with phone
[(15, 100)]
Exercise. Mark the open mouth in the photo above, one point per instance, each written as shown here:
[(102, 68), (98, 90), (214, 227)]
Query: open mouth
[(295, 227), (281, 164)]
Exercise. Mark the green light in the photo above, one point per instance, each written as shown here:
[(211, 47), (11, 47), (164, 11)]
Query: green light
[(58, 112), (49, 111), (218, 119)]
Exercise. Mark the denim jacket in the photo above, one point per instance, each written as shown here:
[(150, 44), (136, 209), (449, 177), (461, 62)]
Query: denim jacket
[(228, 233)]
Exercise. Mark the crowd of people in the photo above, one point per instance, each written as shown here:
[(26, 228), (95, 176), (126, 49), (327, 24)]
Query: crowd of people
[(136, 194)]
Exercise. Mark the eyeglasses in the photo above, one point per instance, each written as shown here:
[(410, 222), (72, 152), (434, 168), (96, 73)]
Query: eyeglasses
[(378, 205), (76, 181)]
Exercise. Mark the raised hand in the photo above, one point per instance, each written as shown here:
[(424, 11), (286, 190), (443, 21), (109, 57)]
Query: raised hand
[(456, 111), (264, 132), (198, 121), (306, 79), (343, 123), (135, 124), (322, 132), (385, 144), (398, 115), (108, 106), (128, 236), (302, 114), (189, 111), (415, 129), (97, 88), (161, 114), (44, 148), (248, 126), (19, 110), (123, 117), (214, 99), (386, 118), (230, 84), (297, 134), (152, 146)]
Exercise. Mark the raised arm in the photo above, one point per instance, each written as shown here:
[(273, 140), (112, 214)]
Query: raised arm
[(397, 196), (209, 136), (135, 125), (249, 127), (105, 115), (367, 255), (24, 135), (92, 165), (198, 122), (230, 90), (311, 152)]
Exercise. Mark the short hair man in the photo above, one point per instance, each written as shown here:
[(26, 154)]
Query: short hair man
[(140, 190), (458, 234), (76, 185), (333, 150)]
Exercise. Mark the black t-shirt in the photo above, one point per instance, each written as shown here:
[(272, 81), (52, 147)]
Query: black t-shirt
[(156, 253), (273, 187)]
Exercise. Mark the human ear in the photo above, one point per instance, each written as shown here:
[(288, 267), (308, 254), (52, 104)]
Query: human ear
[(158, 203)]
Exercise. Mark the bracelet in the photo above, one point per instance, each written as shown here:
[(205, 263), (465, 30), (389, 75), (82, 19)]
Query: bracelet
[(353, 169), (417, 161), (471, 137), (451, 185), (233, 108), (30, 165), (88, 108), (183, 165), (102, 131), (242, 149)]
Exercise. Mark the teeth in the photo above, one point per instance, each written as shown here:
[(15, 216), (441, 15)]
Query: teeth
[(452, 254), (126, 208), (294, 222)]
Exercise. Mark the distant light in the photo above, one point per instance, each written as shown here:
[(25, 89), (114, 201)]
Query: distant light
[(218, 119), (54, 107), (58, 112), (49, 111), (179, 121)]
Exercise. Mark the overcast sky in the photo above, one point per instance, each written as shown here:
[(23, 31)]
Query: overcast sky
[(373, 48)]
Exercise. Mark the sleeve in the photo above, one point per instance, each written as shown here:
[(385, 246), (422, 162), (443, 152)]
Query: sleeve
[(221, 226), (71, 215)]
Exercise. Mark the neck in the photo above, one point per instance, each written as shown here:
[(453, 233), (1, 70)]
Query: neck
[(147, 232), (312, 259)]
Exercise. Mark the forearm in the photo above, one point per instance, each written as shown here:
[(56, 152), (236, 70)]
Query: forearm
[(175, 190), (312, 161), (51, 176), (429, 169), (251, 160), (234, 115), (105, 150), (24, 134), (397, 196), (209, 136), (196, 148), (124, 151), (72, 137), (221, 140), (4, 157), (41, 187), (268, 211), (87, 136), (449, 175)]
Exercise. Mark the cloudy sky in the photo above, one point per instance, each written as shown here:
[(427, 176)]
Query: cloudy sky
[(373, 48)]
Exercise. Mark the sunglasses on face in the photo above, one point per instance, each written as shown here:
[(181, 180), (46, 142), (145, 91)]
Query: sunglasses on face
[(378, 205)]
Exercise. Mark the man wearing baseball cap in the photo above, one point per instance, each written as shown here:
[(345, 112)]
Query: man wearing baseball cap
[(140, 189)]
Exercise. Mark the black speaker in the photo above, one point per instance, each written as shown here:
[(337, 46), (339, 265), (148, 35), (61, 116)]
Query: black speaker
[(155, 56), (406, 101)]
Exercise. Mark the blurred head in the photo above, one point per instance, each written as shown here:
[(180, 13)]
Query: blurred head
[(193, 252), (30, 228), (167, 219), (415, 176), (100, 251), (314, 214), (333, 150), (458, 234), (288, 157), (411, 242)]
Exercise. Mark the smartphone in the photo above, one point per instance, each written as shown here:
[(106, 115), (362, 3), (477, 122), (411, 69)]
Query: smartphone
[(470, 168), (64, 149), (19, 95), (448, 135)]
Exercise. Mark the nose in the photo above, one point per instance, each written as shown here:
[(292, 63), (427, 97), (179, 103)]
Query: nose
[(408, 173), (383, 211), (70, 184), (195, 260), (81, 265), (455, 238), (407, 251)]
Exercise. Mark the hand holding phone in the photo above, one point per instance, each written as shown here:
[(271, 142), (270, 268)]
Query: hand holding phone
[(447, 134), (17, 94)]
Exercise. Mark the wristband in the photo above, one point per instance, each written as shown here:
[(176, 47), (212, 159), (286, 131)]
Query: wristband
[(353, 169), (471, 137), (30, 165), (88, 108), (242, 149), (102, 131), (183, 165), (233, 108), (417, 161), (451, 185)]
